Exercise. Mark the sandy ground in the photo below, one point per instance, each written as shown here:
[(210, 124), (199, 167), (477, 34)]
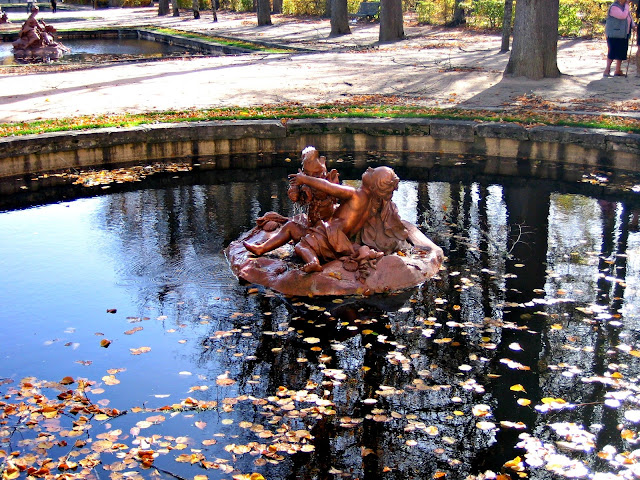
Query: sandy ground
[(432, 66)]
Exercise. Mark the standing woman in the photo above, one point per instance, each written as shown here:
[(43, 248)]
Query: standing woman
[(617, 29)]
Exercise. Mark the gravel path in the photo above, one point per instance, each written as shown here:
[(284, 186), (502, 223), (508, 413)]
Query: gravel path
[(433, 67)]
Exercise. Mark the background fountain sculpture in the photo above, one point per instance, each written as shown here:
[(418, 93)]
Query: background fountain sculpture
[(350, 241), (36, 43)]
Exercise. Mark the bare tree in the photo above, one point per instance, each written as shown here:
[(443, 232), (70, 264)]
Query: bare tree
[(163, 7), (264, 12), (391, 21), (196, 8), (458, 15), (339, 18), (535, 40), (175, 8), (506, 25)]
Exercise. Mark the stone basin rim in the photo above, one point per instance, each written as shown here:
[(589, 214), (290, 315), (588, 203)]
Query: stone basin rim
[(100, 148)]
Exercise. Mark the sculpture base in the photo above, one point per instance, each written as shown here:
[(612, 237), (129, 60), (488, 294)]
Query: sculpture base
[(281, 270), (40, 54)]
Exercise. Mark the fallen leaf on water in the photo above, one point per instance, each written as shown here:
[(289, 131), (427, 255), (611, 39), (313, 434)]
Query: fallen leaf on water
[(105, 343), (138, 351), (224, 380), (110, 380)]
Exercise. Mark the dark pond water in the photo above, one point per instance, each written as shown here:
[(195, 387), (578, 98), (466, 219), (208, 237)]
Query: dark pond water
[(524, 351), (96, 50)]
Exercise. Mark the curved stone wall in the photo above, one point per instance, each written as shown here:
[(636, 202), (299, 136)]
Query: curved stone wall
[(158, 142)]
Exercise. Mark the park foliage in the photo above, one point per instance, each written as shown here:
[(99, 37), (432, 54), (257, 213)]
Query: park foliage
[(576, 17)]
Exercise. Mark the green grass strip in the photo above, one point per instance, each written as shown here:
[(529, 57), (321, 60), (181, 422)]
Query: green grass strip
[(327, 111)]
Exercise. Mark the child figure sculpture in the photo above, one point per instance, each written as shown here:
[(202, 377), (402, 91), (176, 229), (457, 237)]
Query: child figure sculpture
[(320, 205)]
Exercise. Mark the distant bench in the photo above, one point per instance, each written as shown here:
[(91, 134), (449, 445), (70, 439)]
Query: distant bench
[(367, 10)]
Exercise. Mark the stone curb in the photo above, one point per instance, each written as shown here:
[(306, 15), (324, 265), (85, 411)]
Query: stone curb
[(159, 142)]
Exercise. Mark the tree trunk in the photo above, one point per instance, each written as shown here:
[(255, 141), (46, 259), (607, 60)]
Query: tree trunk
[(277, 6), (535, 40), (327, 9), (214, 8), (264, 12), (458, 15), (175, 8), (163, 7), (339, 18), (196, 9), (506, 25), (391, 21)]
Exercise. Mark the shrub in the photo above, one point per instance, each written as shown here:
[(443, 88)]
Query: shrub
[(242, 5), (569, 22), (485, 13), (435, 12), (301, 7)]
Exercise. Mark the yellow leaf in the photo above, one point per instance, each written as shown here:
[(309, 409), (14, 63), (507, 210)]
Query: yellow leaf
[(525, 402), (10, 473), (627, 434), (516, 462), (517, 388)]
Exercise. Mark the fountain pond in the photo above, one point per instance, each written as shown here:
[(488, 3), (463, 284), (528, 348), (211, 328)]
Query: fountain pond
[(129, 350), (108, 49)]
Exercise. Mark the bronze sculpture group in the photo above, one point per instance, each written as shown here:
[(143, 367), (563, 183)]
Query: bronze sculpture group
[(35, 42), (351, 240)]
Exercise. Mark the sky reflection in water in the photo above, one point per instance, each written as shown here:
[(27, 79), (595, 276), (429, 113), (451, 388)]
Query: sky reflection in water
[(538, 301)]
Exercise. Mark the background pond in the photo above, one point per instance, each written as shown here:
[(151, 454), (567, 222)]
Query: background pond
[(129, 350), (106, 49)]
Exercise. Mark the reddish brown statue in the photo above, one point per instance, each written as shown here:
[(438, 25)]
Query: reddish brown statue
[(35, 42), (359, 245)]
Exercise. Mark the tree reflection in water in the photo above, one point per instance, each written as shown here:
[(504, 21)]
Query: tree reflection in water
[(538, 301)]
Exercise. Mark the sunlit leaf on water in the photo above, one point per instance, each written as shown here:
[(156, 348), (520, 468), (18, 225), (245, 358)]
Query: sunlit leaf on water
[(481, 410), (140, 350), (223, 380), (486, 425)]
